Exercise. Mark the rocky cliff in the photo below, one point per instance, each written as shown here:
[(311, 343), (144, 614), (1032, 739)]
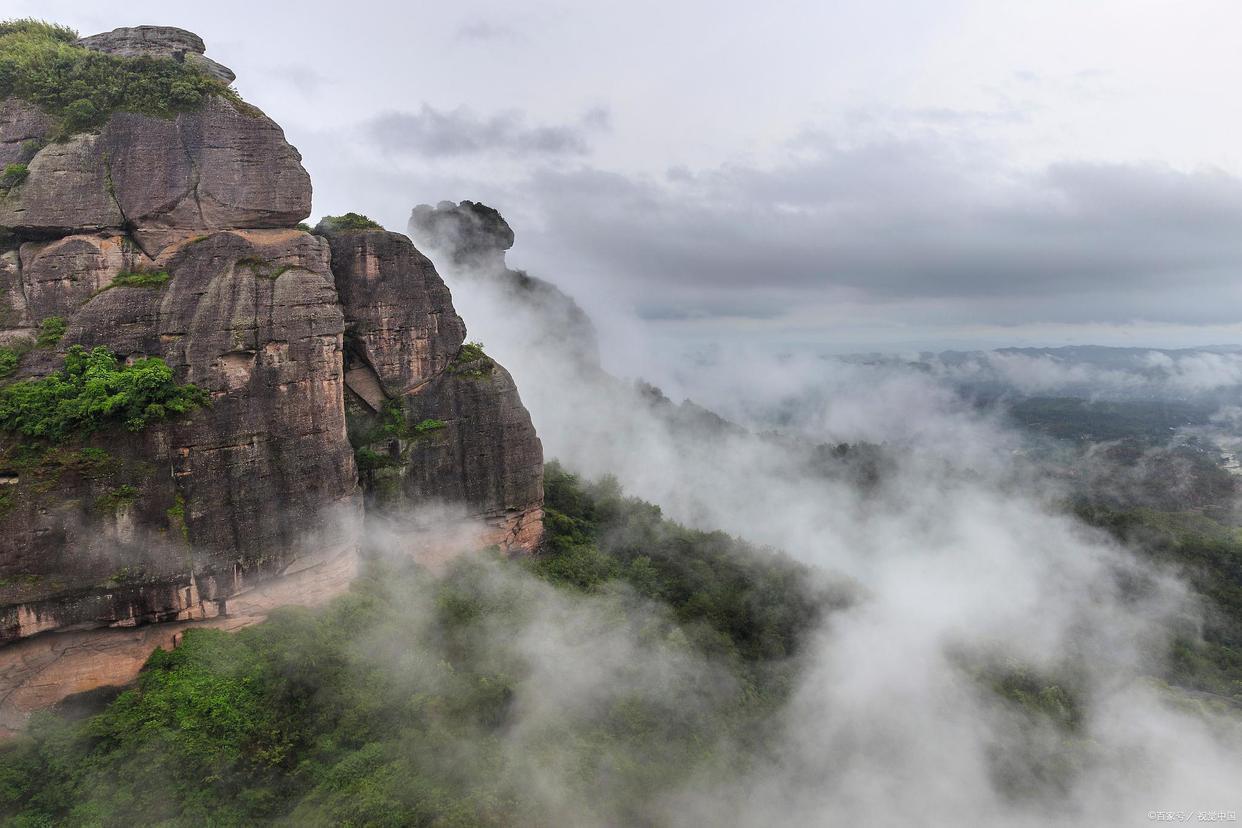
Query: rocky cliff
[(169, 229), (547, 332), (471, 239)]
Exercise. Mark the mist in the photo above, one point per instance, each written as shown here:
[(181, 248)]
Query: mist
[(961, 553)]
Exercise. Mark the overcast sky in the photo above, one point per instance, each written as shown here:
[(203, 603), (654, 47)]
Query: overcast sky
[(854, 174)]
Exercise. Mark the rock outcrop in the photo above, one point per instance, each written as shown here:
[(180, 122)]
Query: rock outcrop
[(225, 166), (255, 500), (471, 239), (436, 421), (159, 42), (399, 312)]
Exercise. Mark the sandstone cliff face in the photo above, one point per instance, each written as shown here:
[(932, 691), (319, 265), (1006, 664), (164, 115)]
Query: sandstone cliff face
[(437, 421), (225, 166), (255, 500), (399, 313)]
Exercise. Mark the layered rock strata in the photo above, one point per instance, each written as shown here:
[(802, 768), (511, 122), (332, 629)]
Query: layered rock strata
[(433, 420)]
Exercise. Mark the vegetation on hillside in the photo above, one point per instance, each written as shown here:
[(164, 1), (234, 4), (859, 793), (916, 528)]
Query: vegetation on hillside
[(51, 331), (739, 601), (41, 63), (1208, 554), (1083, 420), (92, 391), (420, 700)]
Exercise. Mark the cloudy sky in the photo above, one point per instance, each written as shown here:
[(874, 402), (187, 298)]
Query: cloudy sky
[(852, 175)]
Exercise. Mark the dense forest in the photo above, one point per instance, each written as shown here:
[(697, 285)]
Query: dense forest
[(425, 698)]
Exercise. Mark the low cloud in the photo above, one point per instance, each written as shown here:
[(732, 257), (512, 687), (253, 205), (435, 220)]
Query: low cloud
[(899, 221), (484, 30), (461, 132), (882, 715)]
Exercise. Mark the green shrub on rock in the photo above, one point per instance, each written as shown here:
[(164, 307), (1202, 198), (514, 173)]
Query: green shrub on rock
[(471, 362), (13, 175), (8, 361), (51, 331), (345, 223), (92, 391)]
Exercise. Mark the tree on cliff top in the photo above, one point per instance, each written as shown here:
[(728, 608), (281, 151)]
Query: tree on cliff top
[(42, 64)]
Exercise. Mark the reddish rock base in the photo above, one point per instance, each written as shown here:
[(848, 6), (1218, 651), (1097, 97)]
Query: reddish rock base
[(37, 673)]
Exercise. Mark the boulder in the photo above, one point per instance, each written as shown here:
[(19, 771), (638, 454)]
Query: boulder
[(467, 440), (58, 277), (486, 455), (23, 131), (399, 314), (224, 166), (159, 42)]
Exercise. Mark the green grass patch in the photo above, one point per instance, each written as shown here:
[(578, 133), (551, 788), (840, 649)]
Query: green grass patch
[(141, 279), (428, 426), (263, 268), (117, 498)]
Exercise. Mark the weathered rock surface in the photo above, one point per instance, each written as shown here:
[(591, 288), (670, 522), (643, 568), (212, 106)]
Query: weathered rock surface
[(224, 166), (15, 319), (158, 42), (476, 445), (110, 545), (400, 316), (65, 190), (486, 456), (22, 130), (249, 316), (58, 277)]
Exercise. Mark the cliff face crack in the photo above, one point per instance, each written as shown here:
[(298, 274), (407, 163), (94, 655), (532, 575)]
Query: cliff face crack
[(111, 188), (195, 173), (21, 285)]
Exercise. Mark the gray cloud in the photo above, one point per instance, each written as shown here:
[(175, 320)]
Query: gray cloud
[(917, 221), (305, 79), (434, 133), (484, 30)]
